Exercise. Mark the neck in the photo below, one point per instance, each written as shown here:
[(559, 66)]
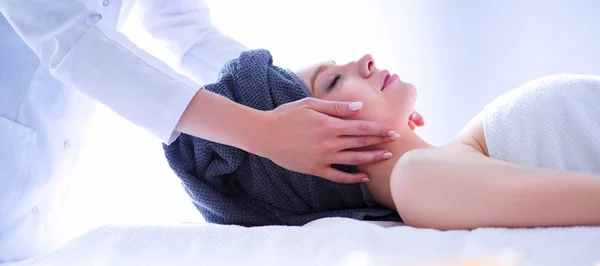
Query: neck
[(379, 173)]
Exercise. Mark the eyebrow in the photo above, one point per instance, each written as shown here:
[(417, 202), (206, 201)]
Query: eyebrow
[(317, 72)]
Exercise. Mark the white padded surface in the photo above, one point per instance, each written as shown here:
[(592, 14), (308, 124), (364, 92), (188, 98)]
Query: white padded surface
[(331, 241)]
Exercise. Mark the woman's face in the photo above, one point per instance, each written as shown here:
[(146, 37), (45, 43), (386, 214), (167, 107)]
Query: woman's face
[(386, 98)]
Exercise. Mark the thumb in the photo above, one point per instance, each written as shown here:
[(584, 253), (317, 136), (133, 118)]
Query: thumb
[(337, 109)]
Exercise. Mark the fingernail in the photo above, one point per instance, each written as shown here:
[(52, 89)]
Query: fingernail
[(395, 137), (355, 106), (391, 133), (365, 180), (387, 155)]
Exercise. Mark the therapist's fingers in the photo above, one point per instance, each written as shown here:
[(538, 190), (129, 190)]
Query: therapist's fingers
[(351, 142), (342, 177), (341, 110), (417, 119), (333, 108), (361, 157), (364, 128)]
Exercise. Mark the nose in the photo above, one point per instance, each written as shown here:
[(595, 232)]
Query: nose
[(366, 65)]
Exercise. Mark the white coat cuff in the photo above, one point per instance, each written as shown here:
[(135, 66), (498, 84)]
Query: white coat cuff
[(173, 113)]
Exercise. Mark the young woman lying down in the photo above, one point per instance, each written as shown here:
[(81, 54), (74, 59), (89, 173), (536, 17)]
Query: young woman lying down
[(529, 159)]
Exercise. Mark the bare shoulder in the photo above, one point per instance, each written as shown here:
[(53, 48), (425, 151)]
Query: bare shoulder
[(471, 136), (467, 147)]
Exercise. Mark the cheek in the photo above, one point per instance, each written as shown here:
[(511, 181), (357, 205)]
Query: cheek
[(340, 95), (375, 108), (379, 113), (352, 91), (392, 108), (372, 104), (407, 96)]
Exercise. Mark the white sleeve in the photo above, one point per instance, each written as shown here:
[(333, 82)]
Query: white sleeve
[(84, 50), (186, 29)]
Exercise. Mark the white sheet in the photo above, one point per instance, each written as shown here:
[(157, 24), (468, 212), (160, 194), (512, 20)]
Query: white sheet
[(331, 241)]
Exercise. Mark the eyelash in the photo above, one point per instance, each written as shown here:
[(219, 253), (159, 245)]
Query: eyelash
[(334, 81)]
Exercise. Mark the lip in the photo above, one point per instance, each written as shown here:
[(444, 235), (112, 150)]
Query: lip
[(384, 75), (387, 79)]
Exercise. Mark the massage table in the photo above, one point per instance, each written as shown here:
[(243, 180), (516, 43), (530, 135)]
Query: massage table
[(329, 241)]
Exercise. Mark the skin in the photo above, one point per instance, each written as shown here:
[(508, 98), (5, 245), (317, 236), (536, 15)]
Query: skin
[(361, 81), (454, 186), (306, 136)]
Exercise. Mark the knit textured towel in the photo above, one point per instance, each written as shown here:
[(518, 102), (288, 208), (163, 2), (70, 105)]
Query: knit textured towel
[(230, 186), (550, 122)]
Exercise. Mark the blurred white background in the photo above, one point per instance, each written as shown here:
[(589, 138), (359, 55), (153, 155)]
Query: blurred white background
[(460, 54)]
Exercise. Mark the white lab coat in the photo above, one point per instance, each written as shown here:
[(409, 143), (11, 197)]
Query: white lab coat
[(56, 59)]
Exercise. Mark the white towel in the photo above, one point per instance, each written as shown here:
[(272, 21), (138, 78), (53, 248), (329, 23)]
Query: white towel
[(572, 246), (329, 241), (551, 122)]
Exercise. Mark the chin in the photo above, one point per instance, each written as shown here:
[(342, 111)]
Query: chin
[(410, 97), (406, 92), (411, 91)]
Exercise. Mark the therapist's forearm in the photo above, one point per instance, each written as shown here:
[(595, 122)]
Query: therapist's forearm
[(213, 117)]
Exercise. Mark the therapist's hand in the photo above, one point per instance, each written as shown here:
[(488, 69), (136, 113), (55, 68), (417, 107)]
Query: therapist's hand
[(310, 135), (415, 120)]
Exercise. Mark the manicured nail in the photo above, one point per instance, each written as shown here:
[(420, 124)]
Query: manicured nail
[(387, 155), (391, 133), (365, 180), (355, 106), (395, 137)]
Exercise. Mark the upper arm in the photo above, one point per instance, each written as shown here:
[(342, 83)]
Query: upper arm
[(459, 188), (90, 55), (49, 28), (187, 33)]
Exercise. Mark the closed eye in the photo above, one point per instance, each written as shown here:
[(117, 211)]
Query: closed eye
[(334, 81)]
